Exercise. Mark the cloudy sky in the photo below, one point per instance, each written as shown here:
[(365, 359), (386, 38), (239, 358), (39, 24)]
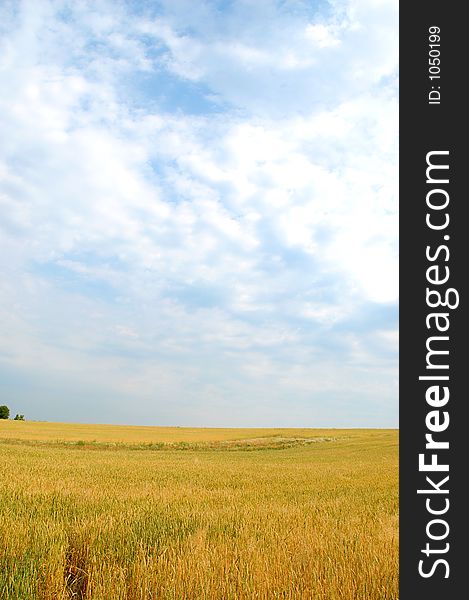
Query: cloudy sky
[(198, 211)]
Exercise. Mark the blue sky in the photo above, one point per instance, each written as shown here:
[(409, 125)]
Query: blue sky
[(199, 212)]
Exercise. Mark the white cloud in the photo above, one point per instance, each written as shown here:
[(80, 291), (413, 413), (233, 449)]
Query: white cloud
[(322, 36)]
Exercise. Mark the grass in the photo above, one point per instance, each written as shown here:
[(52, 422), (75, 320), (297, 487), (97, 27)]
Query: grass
[(110, 513), (74, 432)]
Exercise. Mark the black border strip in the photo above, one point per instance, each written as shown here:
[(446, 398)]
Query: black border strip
[(429, 127)]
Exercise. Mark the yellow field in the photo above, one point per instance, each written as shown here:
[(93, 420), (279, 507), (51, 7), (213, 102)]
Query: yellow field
[(110, 513)]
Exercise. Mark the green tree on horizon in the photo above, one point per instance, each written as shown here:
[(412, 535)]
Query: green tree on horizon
[(4, 412)]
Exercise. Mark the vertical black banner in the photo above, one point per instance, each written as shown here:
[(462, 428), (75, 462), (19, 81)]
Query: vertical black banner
[(433, 255)]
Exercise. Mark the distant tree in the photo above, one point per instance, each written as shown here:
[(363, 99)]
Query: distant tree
[(4, 412), (19, 418)]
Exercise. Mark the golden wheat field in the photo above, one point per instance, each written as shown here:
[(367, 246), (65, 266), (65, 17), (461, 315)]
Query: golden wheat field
[(109, 513)]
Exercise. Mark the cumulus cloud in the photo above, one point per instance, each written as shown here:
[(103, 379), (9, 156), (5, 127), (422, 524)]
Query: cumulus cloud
[(199, 211)]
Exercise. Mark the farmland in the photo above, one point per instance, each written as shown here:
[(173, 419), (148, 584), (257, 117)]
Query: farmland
[(108, 513)]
